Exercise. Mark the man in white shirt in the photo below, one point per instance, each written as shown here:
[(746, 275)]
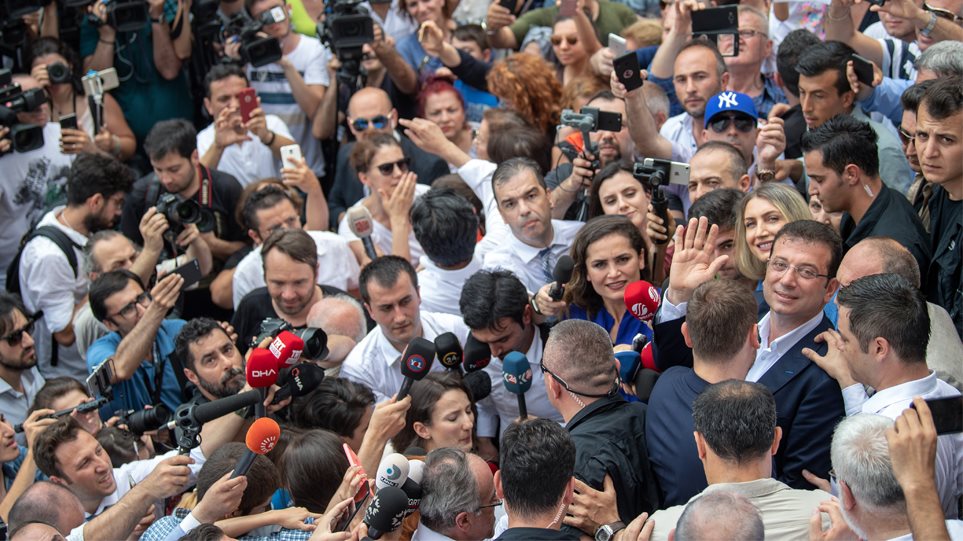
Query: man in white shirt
[(19, 378), (49, 281), (248, 151), (389, 289), (889, 354), (496, 308), (458, 500), (537, 241)]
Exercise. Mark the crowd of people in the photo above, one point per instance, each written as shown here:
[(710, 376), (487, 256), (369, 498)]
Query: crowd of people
[(429, 270)]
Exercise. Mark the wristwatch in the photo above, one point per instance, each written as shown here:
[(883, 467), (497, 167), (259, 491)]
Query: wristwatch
[(765, 175), (607, 531), (928, 29)]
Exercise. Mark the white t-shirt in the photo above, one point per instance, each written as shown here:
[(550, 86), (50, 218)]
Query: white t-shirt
[(248, 161), (337, 266), (381, 235), (31, 183), (441, 288), (898, 58), (310, 58), (48, 283)]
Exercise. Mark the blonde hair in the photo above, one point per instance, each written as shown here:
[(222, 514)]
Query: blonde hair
[(644, 32), (787, 201)]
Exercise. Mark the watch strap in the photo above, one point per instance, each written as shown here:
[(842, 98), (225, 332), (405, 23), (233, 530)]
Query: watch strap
[(928, 29)]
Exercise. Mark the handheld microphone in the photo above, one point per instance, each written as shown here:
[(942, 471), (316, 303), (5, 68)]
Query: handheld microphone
[(389, 508), (300, 380), (286, 348), (628, 364), (480, 385), (413, 490), (415, 363), (416, 470), (262, 369), (477, 354), (393, 471), (562, 274), (261, 437), (517, 375), (361, 224), (647, 360), (449, 351), (642, 300)]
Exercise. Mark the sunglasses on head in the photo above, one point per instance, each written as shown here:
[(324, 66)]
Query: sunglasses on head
[(16, 336), (388, 168), (943, 13), (557, 40), (744, 124), (362, 124)]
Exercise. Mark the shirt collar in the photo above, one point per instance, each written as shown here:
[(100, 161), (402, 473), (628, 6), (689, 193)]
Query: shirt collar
[(386, 349), (787, 340), (456, 275), (424, 533), (526, 252), (901, 393), (751, 489)]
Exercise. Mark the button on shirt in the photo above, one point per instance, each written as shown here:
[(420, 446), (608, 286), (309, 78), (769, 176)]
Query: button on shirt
[(892, 401), (248, 161), (376, 363), (441, 288), (526, 261), (14, 404)]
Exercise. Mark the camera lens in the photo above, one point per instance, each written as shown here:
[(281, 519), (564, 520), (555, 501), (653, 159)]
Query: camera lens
[(188, 212), (148, 420), (58, 72)]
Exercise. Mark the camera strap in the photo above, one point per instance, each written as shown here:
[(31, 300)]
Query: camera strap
[(205, 196), (159, 364)]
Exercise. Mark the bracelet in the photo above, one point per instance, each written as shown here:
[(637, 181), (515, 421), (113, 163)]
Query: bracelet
[(102, 40), (535, 304), (271, 142), (829, 14), (928, 29)]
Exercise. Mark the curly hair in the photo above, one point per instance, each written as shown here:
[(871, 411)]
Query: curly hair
[(529, 85), (579, 91)]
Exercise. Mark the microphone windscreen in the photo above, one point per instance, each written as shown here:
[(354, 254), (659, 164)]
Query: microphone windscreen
[(516, 372), (449, 351), (262, 368), (417, 358), (393, 471), (642, 300), (416, 470), (203, 413), (360, 221), (628, 364), (477, 354), (305, 378), (479, 383), (648, 361), (563, 269), (386, 512), (286, 348), (263, 435)]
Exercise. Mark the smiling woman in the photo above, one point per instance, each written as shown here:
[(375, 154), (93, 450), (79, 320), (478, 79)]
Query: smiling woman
[(762, 214)]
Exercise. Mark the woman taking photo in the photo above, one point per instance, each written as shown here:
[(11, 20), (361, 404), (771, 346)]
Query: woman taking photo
[(441, 415), (570, 51)]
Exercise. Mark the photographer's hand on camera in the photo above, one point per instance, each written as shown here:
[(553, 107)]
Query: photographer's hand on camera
[(169, 478), (5, 143), (99, 10), (656, 230), (75, 141), (39, 72)]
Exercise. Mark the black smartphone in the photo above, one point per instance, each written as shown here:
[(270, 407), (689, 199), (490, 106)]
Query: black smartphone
[(604, 120), (350, 513), (628, 71), (508, 4), (191, 272), (68, 121), (863, 68), (719, 20), (947, 414)]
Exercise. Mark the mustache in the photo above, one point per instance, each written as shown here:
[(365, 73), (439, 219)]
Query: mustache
[(231, 374)]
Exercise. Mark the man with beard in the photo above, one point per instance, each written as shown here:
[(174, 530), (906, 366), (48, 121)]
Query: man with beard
[(210, 359), (49, 280), (19, 378)]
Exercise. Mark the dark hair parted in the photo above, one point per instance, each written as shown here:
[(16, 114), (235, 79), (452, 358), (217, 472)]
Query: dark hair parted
[(262, 478), (64, 430), (872, 301), (106, 285), (719, 206), (93, 174), (337, 405), (490, 295), (537, 460), (944, 98), (312, 467), (446, 226), (911, 98), (719, 317), (737, 419), (385, 270), (844, 140), (424, 396), (790, 49), (53, 389), (191, 333), (825, 56), (294, 243), (175, 136), (815, 232), (607, 172), (265, 198), (45, 45), (579, 290)]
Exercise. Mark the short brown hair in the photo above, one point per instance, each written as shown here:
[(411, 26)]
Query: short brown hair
[(294, 243), (719, 317), (312, 467), (363, 152), (644, 32), (65, 430), (262, 477)]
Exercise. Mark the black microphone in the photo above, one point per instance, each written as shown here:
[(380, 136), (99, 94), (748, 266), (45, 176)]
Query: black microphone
[(449, 351), (386, 512), (562, 274), (189, 418), (477, 354), (300, 379), (413, 491), (415, 363), (480, 385)]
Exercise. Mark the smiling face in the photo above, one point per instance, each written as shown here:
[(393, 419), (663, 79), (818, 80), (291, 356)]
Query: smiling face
[(623, 194), (396, 309), (566, 45), (762, 221), (445, 109), (790, 296), (423, 11), (86, 468), (611, 264), (452, 421), (525, 207)]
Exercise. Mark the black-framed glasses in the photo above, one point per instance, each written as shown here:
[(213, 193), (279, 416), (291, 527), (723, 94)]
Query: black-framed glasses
[(943, 13), (780, 266), (362, 124), (615, 386), (15, 336), (388, 168), (905, 136), (720, 123), (130, 308)]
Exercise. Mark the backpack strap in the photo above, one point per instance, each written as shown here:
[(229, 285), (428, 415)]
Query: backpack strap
[(66, 246)]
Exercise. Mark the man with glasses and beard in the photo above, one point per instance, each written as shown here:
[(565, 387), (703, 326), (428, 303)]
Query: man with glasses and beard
[(19, 378), (210, 359)]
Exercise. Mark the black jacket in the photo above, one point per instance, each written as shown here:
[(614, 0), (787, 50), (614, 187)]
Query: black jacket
[(535, 534)]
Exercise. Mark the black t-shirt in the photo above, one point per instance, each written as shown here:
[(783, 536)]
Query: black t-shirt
[(254, 308)]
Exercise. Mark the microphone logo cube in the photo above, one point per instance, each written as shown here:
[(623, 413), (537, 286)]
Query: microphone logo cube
[(640, 310), (277, 348), (267, 444), (363, 227), (417, 364)]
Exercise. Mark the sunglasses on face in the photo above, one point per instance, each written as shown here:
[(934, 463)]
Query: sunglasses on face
[(905, 136), (387, 168), (362, 124), (720, 124), (557, 40), (15, 337), (943, 13)]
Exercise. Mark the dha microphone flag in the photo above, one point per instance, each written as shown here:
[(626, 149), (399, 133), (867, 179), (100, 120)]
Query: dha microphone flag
[(517, 375), (393, 471), (262, 368), (449, 351), (360, 223), (286, 348), (642, 300), (415, 363), (261, 437), (477, 354), (389, 508), (562, 274)]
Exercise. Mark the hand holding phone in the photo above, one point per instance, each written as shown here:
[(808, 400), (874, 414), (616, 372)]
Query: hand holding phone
[(863, 68), (248, 102), (567, 8), (628, 71)]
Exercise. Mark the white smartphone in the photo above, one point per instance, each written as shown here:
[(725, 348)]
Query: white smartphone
[(674, 172), (96, 82), (617, 45), (290, 151)]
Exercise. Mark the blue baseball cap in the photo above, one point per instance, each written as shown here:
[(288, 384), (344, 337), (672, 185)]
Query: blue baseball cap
[(728, 100)]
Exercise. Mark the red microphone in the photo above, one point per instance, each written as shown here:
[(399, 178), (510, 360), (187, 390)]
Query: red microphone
[(262, 368), (286, 349), (647, 360), (261, 438), (642, 300)]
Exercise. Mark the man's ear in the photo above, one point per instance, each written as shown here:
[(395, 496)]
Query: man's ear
[(846, 499), (527, 314), (700, 445), (686, 335), (777, 437), (254, 237), (725, 80), (569, 494), (499, 491), (745, 183), (62, 481), (192, 377), (463, 521), (754, 336), (851, 174)]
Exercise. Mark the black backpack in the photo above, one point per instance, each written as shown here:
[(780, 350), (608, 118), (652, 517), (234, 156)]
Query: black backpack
[(51, 232)]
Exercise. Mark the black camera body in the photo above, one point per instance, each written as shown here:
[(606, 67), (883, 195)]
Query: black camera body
[(315, 339), (347, 26), (180, 212), (13, 100), (123, 15), (58, 73)]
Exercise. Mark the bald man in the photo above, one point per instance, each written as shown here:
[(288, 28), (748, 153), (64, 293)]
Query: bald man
[(370, 112), (342, 319), (877, 255)]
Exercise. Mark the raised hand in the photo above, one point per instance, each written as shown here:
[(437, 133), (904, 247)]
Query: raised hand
[(398, 203), (169, 478), (222, 499), (74, 141), (692, 263), (431, 37), (498, 17), (226, 128)]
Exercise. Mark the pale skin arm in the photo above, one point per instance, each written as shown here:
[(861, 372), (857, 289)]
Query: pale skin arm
[(323, 122), (841, 27), (498, 21), (296, 173), (183, 42), (403, 75), (307, 96), (586, 31), (663, 63), (642, 128), (103, 56), (116, 138), (222, 293), (387, 420), (35, 424), (165, 59), (398, 205), (291, 518)]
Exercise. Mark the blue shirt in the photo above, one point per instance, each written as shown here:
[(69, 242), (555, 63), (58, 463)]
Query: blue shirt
[(628, 327), (12, 468), (410, 49), (476, 101), (135, 393)]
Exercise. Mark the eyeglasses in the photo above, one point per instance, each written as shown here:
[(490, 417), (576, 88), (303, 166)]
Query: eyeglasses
[(615, 387), (368, 56), (905, 136), (943, 13), (746, 33), (130, 308), (780, 266), (16, 336), (557, 40), (490, 505), (362, 124), (388, 168), (720, 124)]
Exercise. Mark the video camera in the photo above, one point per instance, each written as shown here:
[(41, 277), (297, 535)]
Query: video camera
[(315, 339), (13, 100), (256, 49), (347, 26), (180, 212), (83, 407), (122, 15)]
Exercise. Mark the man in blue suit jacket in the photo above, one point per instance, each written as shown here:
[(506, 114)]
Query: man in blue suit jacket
[(800, 279)]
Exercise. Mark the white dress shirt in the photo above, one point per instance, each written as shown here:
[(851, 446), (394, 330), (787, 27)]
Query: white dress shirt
[(337, 266), (502, 404), (375, 362), (523, 259), (14, 404), (248, 161), (477, 174), (678, 130), (892, 401), (769, 353), (132, 473), (441, 288), (424, 533)]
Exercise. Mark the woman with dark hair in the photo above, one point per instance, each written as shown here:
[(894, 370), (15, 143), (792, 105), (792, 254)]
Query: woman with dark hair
[(312, 468), (570, 51), (339, 405), (440, 103), (441, 415), (57, 68)]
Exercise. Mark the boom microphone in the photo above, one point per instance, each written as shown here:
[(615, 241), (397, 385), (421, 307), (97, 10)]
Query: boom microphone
[(562, 274), (298, 380), (642, 300), (415, 363), (361, 224), (477, 354), (261, 437), (449, 351), (386, 512), (517, 375), (393, 471)]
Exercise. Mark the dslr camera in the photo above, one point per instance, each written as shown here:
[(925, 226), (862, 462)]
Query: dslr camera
[(315, 339), (13, 100), (181, 212), (145, 420)]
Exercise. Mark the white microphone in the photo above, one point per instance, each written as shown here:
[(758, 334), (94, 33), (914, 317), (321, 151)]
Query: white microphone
[(393, 471), (361, 224)]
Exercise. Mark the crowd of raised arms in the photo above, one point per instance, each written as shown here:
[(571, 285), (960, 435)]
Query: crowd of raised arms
[(508, 270)]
